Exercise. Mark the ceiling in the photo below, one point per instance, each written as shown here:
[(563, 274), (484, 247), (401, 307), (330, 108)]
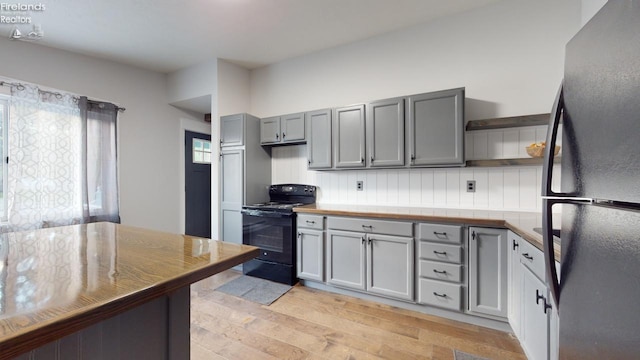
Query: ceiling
[(167, 35)]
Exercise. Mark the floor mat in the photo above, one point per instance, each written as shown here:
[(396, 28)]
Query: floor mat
[(254, 289), (459, 355)]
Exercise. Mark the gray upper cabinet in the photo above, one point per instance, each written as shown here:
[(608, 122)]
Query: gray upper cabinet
[(232, 130), (292, 128), (319, 139), (270, 130), (280, 130), (385, 133), (349, 137), (436, 128), (488, 271)]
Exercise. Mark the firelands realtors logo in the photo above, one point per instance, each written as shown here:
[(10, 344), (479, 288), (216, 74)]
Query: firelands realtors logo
[(18, 13)]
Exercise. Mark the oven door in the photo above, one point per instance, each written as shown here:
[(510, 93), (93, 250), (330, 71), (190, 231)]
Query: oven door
[(272, 232)]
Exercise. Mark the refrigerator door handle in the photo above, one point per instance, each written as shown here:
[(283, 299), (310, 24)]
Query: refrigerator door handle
[(547, 237), (549, 254), (552, 133)]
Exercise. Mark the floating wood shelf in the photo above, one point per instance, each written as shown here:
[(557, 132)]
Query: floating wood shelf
[(508, 122), (510, 162)]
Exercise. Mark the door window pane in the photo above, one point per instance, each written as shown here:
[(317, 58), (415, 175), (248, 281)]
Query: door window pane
[(201, 151)]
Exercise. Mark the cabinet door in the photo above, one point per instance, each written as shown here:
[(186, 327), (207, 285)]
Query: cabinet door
[(488, 271), (270, 130), (292, 127), (436, 128), (385, 133), (390, 266), (514, 293), (310, 254), (348, 134), (319, 139), (232, 130), (346, 259), (231, 194), (535, 322)]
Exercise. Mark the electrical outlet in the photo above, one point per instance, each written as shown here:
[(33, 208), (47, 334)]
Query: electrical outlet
[(471, 186), (360, 185)]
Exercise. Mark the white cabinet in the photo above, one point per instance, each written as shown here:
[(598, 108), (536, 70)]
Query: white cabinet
[(534, 336), (371, 255), (245, 172), (285, 129), (488, 272), (440, 269), (310, 247)]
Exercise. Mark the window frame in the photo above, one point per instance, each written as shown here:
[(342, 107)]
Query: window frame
[(4, 101)]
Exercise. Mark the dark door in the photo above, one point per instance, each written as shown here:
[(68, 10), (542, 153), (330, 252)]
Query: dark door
[(197, 178)]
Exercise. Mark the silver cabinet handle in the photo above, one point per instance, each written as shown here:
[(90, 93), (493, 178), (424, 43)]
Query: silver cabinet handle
[(440, 295), (443, 272)]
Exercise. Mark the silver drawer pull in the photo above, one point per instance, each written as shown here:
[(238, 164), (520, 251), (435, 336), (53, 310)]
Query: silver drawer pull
[(439, 252), (440, 295), (440, 272), (367, 226), (310, 222), (527, 256), (439, 233)]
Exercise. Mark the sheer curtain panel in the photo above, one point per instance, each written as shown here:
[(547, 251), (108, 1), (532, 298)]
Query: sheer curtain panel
[(62, 160)]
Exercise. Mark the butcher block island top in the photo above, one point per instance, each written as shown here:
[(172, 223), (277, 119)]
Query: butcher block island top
[(56, 281), (521, 223)]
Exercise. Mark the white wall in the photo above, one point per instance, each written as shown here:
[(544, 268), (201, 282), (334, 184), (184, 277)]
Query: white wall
[(508, 56), (192, 82), (148, 140), (590, 8), (233, 96)]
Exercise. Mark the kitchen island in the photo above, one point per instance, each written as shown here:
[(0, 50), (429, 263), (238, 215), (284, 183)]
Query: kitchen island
[(103, 291)]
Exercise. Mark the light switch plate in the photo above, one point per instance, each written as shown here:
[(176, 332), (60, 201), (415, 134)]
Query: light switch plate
[(360, 185), (471, 186)]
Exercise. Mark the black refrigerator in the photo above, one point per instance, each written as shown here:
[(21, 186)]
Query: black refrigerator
[(598, 293)]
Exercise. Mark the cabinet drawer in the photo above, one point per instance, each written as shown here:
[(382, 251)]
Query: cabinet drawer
[(440, 271), (440, 252), (442, 294), (533, 258), (441, 233), (371, 226), (311, 222)]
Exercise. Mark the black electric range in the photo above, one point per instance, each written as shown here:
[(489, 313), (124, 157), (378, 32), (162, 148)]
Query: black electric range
[(271, 226)]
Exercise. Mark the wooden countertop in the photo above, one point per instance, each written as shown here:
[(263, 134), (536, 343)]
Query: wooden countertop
[(54, 282), (521, 223)]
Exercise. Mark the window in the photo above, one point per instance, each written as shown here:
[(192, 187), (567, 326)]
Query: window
[(4, 125), (201, 151)]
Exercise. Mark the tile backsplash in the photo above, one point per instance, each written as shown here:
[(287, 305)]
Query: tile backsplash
[(511, 188)]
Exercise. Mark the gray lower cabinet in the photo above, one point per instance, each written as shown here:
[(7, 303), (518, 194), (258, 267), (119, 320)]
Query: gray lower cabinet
[(349, 137), (537, 314), (436, 128), (244, 173), (318, 124), (379, 263), (488, 271), (439, 265), (231, 194), (514, 303), (385, 133), (310, 248)]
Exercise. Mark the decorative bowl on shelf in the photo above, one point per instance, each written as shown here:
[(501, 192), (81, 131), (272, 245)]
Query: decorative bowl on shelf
[(536, 150)]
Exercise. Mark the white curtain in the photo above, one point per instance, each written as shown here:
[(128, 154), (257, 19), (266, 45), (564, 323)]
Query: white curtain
[(44, 187), (61, 160)]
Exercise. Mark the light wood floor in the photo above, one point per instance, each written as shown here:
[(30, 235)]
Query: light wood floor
[(312, 324)]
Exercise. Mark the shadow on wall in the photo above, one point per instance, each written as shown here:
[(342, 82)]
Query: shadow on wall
[(479, 109)]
